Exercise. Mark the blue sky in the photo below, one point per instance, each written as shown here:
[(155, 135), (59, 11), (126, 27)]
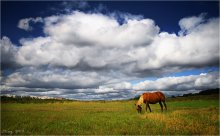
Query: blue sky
[(106, 49)]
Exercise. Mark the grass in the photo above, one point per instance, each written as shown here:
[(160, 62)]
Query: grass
[(185, 117)]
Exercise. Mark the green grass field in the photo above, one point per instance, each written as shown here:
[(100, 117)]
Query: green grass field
[(184, 117)]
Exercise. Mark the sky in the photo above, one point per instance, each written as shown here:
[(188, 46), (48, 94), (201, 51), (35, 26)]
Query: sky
[(108, 50)]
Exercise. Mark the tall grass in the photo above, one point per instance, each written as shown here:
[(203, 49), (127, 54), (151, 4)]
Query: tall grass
[(113, 117)]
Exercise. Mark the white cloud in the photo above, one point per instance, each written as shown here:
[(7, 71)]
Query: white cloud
[(82, 29), (25, 23), (118, 86), (8, 52), (100, 55), (44, 51), (189, 23), (54, 78), (95, 39), (99, 40), (183, 83), (169, 85), (196, 49)]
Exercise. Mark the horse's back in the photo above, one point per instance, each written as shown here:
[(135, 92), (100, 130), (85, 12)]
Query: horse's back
[(153, 98), (161, 95)]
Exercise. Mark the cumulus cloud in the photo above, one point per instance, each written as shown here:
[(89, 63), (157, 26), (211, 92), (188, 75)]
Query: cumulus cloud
[(100, 55), (79, 94), (69, 39), (98, 40), (197, 49), (25, 23), (189, 23), (125, 90), (53, 78), (73, 30), (183, 83), (8, 52)]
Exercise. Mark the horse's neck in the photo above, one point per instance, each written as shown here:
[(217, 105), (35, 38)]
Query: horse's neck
[(141, 100)]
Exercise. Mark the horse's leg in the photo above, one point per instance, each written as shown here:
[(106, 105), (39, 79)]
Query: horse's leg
[(165, 105), (148, 106), (161, 106)]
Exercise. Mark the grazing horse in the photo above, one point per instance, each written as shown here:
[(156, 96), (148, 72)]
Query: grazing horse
[(151, 98)]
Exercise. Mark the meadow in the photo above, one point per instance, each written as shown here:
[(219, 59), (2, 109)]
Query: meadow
[(185, 116)]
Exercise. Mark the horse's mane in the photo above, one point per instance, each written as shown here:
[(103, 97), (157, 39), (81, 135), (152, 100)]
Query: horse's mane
[(141, 100)]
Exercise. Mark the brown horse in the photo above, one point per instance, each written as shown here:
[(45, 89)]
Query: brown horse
[(151, 98)]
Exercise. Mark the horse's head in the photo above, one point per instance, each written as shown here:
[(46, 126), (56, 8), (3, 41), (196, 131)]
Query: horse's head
[(138, 108)]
